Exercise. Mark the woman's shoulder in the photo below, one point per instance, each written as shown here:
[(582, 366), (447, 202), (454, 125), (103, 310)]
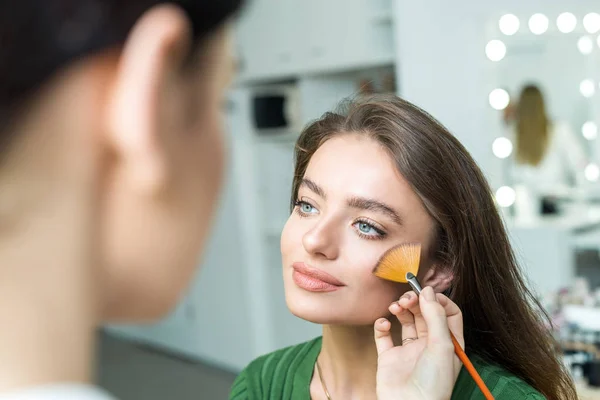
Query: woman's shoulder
[(503, 384), (276, 371)]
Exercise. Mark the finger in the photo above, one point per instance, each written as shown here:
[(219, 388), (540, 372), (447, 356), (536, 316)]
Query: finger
[(434, 314), (383, 335), (406, 319), (455, 323), (410, 300), (454, 317)]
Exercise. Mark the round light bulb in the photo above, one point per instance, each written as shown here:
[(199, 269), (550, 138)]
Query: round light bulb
[(591, 22), (502, 147), (499, 99), (495, 50), (592, 172), (538, 24), (509, 24), (589, 130), (566, 22), (587, 88), (585, 45), (505, 196)]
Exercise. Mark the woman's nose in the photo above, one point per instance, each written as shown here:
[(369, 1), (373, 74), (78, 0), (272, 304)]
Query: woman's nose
[(322, 240)]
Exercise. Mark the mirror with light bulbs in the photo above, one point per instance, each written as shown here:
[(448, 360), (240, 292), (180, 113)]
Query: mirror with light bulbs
[(559, 54)]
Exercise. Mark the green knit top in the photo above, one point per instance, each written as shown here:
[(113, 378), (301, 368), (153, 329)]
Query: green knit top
[(286, 374)]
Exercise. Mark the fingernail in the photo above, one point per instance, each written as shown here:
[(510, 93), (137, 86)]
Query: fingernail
[(428, 294), (406, 296)]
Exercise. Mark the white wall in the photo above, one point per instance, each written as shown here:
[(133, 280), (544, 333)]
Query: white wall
[(442, 64)]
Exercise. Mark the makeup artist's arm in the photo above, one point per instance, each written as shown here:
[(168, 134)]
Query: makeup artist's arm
[(425, 368)]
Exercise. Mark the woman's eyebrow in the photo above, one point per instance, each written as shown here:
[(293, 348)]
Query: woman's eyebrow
[(313, 187), (363, 203)]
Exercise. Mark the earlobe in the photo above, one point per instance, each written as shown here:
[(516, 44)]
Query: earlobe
[(438, 277), (150, 58)]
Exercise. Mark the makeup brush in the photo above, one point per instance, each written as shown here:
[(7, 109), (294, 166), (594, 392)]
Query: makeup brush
[(401, 264), (397, 261)]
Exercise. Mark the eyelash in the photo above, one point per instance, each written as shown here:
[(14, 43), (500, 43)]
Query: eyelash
[(381, 234)]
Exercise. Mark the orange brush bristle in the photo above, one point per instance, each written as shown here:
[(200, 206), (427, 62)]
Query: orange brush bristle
[(397, 261)]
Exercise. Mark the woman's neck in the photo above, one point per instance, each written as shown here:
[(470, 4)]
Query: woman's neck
[(348, 360), (47, 295)]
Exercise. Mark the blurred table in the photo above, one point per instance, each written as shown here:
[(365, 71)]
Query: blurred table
[(588, 393), (545, 244)]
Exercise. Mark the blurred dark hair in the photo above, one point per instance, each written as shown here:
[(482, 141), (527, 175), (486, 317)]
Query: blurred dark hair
[(38, 37)]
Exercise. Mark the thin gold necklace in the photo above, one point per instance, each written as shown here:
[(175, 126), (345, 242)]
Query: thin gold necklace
[(323, 381)]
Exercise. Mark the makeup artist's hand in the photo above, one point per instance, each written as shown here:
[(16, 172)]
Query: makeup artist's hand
[(425, 367)]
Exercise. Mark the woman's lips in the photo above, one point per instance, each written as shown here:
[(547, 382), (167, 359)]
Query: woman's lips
[(314, 280)]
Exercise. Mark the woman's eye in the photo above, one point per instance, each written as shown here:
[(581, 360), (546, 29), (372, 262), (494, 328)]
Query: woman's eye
[(368, 231), (303, 208), (366, 228), (306, 208)]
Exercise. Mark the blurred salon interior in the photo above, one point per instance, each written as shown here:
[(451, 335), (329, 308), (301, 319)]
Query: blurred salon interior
[(518, 82)]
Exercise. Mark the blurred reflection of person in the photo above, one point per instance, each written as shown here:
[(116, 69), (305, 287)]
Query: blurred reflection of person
[(549, 158)]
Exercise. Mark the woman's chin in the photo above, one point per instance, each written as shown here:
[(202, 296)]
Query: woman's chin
[(322, 313), (313, 316), (310, 309)]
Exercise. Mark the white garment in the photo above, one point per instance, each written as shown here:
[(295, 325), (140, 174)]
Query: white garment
[(563, 163), (59, 392)]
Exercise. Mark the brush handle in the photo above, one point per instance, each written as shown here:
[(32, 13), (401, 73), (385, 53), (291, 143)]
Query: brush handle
[(470, 368), (416, 286)]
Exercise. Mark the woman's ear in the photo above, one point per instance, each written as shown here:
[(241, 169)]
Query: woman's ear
[(439, 277), (139, 106)]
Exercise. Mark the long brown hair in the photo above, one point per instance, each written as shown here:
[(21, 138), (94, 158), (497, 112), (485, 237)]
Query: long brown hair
[(532, 126), (504, 322)]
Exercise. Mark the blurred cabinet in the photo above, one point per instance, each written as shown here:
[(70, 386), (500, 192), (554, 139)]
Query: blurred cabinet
[(265, 38), (283, 38)]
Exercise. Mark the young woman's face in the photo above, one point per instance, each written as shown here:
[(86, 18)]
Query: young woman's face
[(352, 206)]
